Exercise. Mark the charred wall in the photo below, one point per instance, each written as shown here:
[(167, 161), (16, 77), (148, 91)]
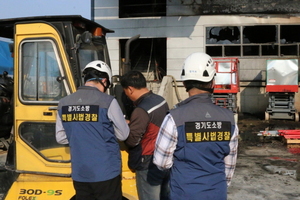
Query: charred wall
[(213, 7), (146, 8)]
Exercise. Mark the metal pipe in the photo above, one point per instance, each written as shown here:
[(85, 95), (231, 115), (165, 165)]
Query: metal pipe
[(127, 47), (126, 63)]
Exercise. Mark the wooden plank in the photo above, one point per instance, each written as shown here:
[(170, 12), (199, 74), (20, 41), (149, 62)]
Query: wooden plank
[(294, 141), (290, 146)]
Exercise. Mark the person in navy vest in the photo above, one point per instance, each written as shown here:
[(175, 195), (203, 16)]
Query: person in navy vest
[(198, 140), (92, 123), (145, 120)]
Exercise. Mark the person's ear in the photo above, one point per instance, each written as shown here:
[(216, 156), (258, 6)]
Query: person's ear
[(130, 89)]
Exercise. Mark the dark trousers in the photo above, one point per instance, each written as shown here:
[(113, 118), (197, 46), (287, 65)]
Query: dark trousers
[(103, 190)]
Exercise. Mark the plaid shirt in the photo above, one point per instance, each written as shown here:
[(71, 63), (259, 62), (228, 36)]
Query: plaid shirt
[(166, 144)]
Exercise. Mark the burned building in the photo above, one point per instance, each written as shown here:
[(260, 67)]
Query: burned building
[(252, 31)]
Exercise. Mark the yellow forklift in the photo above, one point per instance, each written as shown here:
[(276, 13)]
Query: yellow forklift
[(49, 54)]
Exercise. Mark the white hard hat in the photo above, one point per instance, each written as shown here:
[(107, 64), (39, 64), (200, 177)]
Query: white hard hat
[(101, 67), (199, 67)]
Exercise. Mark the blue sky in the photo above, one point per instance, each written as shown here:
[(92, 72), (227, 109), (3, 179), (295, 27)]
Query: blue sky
[(26, 8)]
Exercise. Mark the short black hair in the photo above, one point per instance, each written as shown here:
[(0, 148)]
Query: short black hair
[(134, 79), (189, 84), (95, 75)]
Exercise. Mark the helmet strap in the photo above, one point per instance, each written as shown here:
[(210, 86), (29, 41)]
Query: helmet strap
[(105, 87), (100, 81), (94, 79)]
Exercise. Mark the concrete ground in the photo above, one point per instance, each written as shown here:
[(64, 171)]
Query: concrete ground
[(265, 173), (266, 167)]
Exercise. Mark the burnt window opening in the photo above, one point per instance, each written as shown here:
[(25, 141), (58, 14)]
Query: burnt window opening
[(289, 37), (232, 50), (260, 34), (289, 50), (260, 40), (223, 35), (251, 50), (289, 34), (145, 8), (214, 51), (147, 56), (269, 50)]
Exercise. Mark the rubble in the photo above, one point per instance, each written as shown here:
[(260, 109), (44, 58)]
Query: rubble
[(266, 169)]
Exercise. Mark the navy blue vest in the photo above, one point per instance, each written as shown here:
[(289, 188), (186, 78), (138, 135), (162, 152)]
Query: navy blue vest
[(204, 133), (95, 152)]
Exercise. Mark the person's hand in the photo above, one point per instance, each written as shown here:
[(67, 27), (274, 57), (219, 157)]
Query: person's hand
[(127, 121)]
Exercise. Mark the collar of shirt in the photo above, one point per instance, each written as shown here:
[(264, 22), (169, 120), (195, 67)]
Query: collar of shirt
[(88, 88), (205, 98), (140, 99)]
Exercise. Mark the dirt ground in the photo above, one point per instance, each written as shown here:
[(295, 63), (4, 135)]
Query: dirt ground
[(266, 167)]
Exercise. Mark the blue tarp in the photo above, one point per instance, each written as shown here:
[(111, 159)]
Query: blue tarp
[(6, 61)]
